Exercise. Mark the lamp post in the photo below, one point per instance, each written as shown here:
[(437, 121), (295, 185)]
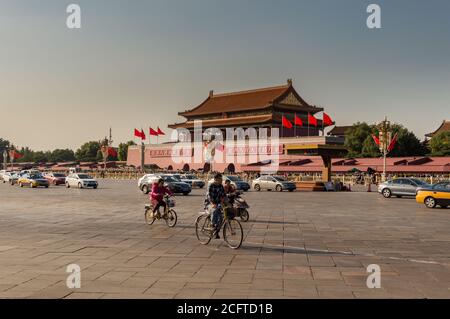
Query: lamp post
[(105, 145), (5, 159), (385, 138), (11, 155)]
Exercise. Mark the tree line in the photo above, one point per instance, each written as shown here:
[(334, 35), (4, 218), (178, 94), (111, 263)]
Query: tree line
[(360, 143), (88, 152)]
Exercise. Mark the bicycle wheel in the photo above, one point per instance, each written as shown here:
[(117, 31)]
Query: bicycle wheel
[(203, 229), (148, 217), (233, 233), (244, 215), (171, 218)]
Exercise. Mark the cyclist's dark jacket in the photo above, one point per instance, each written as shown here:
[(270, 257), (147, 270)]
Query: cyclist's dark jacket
[(216, 193)]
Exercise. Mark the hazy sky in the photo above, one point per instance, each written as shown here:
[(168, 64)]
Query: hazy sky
[(138, 63)]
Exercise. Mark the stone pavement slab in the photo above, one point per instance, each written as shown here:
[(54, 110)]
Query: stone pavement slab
[(296, 245)]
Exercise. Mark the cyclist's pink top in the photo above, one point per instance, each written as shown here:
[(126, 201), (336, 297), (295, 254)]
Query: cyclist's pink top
[(158, 192)]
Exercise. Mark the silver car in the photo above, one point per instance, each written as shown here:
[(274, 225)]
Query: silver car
[(401, 187), (10, 177), (273, 183)]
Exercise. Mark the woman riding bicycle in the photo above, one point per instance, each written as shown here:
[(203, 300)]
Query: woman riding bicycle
[(157, 195)]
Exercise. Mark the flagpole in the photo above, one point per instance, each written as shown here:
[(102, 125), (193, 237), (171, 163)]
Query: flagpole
[(308, 124), (323, 132), (295, 126)]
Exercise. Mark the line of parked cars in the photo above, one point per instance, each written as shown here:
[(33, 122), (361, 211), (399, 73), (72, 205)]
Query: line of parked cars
[(424, 193), (183, 184), (34, 179)]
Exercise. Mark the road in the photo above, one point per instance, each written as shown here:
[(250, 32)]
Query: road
[(297, 245)]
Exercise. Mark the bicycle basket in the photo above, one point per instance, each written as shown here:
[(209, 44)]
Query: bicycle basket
[(171, 202), (229, 213)]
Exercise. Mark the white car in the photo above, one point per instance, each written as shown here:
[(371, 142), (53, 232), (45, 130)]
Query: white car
[(2, 173), (145, 182), (9, 177), (81, 180)]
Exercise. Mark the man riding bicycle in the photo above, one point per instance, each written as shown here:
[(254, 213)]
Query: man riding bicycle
[(216, 195), (157, 195)]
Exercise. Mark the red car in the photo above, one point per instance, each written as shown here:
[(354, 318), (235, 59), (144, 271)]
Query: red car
[(55, 178)]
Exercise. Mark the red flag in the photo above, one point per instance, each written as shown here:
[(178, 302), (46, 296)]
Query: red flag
[(153, 132), (112, 152), (14, 154), (142, 135), (137, 133), (375, 139), (327, 121), (160, 132), (298, 121), (286, 123), (393, 142), (312, 120)]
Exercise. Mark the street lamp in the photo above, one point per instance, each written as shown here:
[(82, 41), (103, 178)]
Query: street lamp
[(385, 138), (104, 147), (5, 159)]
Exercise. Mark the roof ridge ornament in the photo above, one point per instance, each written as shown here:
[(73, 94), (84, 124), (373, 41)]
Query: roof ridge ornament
[(289, 82)]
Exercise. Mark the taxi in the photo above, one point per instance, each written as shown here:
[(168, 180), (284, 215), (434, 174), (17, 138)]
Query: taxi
[(33, 180), (433, 195)]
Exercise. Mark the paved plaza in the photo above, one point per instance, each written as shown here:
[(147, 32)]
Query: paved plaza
[(297, 245)]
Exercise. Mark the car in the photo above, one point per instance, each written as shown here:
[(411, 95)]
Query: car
[(433, 195), (269, 182), (192, 180), (10, 177), (146, 182), (33, 180), (175, 185), (2, 173), (81, 180), (55, 178), (400, 187), (236, 181), (29, 171)]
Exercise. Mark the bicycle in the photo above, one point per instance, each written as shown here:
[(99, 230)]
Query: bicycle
[(169, 215), (232, 230)]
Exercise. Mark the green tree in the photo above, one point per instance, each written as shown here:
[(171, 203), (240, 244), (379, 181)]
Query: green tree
[(27, 155), (40, 156), (407, 143), (370, 149), (99, 157), (360, 143), (4, 144), (122, 152), (440, 144), (89, 152), (62, 155), (355, 138)]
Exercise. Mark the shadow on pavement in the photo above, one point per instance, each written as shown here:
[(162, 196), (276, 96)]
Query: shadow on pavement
[(275, 222), (292, 250)]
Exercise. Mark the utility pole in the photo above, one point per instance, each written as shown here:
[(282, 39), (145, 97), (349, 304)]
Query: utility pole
[(11, 155), (385, 140), (5, 159), (142, 156), (104, 146)]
